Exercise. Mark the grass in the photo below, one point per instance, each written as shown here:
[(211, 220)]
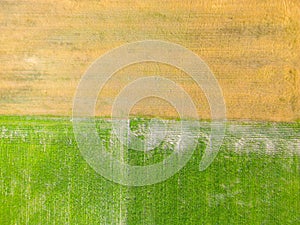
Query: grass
[(45, 180)]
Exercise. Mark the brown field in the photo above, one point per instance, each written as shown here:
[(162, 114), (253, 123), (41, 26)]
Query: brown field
[(252, 47)]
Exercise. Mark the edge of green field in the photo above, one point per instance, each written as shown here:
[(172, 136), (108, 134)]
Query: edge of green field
[(45, 180)]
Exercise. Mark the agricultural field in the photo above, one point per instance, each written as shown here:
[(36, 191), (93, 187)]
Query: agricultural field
[(252, 48), (45, 180)]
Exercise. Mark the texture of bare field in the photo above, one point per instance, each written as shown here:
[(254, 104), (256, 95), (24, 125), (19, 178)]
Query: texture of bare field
[(252, 47)]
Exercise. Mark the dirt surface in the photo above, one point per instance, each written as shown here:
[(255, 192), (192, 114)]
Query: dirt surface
[(252, 47)]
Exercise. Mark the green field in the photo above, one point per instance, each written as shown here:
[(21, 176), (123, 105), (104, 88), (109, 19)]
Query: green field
[(45, 180)]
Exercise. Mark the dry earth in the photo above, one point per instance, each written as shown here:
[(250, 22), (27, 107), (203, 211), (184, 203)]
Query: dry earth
[(252, 46)]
